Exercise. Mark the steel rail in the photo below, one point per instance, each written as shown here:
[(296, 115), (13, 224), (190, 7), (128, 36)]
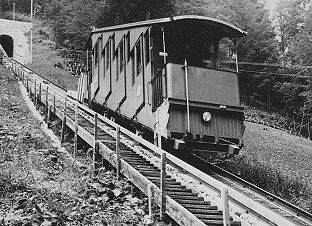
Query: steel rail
[(289, 207), (194, 172)]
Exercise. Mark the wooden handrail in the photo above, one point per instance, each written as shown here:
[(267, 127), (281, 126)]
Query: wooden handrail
[(233, 195)]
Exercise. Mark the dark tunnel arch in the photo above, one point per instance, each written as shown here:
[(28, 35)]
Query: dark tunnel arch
[(6, 42)]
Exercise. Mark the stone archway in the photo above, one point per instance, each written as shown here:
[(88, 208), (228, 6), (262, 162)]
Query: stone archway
[(15, 39), (6, 42)]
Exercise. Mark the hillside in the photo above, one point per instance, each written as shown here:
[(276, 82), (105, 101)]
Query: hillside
[(276, 161), (47, 60), (268, 153), (41, 183), (287, 153)]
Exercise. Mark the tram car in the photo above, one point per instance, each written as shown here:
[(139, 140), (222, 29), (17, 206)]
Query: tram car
[(166, 79)]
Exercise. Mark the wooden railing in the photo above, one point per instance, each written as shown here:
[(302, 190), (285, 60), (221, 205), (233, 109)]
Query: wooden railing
[(227, 195)]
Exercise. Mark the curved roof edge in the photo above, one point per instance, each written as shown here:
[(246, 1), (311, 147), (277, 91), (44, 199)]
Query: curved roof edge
[(169, 19), (236, 30)]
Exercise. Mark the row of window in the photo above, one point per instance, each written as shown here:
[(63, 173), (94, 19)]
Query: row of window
[(123, 54)]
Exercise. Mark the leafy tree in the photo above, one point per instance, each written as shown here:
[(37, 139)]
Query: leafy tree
[(57, 15), (260, 44), (250, 15), (71, 21), (126, 11), (289, 16), (295, 29), (301, 47)]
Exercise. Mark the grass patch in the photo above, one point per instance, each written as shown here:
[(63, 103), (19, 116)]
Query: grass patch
[(294, 190), (18, 16), (46, 57)]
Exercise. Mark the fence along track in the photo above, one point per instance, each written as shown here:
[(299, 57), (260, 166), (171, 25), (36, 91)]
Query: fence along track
[(140, 171), (144, 164)]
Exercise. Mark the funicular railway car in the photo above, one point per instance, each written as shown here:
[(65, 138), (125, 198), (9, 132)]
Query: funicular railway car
[(166, 78)]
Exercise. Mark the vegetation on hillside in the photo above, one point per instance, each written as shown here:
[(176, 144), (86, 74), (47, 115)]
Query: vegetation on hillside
[(295, 190), (42, 184)]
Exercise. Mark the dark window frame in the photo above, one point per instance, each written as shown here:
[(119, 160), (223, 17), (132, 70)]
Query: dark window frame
[(113, 47), (100, 46), (138, 56), (132, 59), (96, 52), (128, 50), (121, 56), (116, 56), (147, 48), (107, 54)]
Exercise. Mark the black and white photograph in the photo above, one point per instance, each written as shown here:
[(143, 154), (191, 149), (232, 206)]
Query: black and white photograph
[(155, 112)]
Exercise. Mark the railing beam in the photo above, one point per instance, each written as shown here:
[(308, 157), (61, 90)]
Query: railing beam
[(163, 186), (35, 94), (76, 131), (54, 107), (150, 202), (118, 152), (225, 204), (96, 142), (49, 116), (39, 92), (47, 104), (64, 121)]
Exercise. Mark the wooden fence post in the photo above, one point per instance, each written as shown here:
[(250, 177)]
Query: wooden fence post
[(89, 96), (95, 151), (150, 202), (47, 104), (118, 152), (163, 186), (96, 142), (54, 107), (76, 130), (39, 93), (64, 121), (23, 79), (95, 126), (35, 93), (225, 202), (27, 83), (49, 116)]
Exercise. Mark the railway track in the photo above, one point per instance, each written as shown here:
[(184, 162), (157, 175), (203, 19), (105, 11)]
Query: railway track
[(188, 195), (268, 199)]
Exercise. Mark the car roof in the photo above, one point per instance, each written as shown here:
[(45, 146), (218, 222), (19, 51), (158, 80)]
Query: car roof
[(208, 21)]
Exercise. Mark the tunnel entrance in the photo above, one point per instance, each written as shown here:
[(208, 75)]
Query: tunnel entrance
[(6, 42)]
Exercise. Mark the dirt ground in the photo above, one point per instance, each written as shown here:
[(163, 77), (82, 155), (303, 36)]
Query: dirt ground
[(39, 186)]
